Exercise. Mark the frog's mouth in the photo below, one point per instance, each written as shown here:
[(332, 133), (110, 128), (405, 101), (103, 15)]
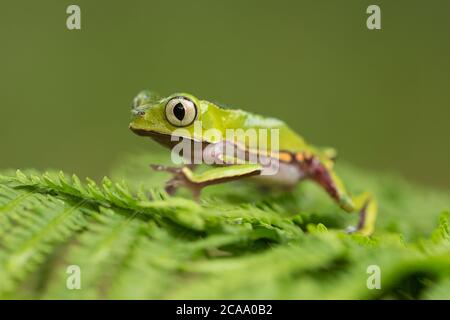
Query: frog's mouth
[(147, 133), (163, 139)]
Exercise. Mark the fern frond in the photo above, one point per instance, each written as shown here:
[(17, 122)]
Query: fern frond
[(35, 227), (132, 240), (184, 212), (99, 253)]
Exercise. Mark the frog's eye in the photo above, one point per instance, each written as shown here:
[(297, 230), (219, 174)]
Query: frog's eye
[(181, 111)]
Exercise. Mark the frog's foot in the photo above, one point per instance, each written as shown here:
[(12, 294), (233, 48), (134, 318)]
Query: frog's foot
[(179, 179), (366, 205)]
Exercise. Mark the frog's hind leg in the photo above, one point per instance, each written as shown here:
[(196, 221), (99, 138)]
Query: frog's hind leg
[(364, 203)]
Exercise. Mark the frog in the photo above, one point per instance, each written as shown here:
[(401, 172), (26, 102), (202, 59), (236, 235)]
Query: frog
[(168, 119)]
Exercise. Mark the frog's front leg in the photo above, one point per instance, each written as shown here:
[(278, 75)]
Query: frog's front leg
[(230, 169), (195, 182), (364, 203)]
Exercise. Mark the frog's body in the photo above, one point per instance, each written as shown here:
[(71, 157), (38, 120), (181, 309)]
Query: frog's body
[(161, 119)]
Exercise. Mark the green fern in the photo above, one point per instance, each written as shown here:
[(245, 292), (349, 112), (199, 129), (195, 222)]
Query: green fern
[(132, 240)]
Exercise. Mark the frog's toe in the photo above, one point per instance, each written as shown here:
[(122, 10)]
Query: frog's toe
[(158, 167), (351, 229), (170, 188)]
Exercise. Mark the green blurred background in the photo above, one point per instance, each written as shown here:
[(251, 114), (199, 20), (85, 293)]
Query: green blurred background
[(382, 98)]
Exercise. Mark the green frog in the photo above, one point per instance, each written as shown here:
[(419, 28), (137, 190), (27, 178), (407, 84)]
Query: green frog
[(179, 116)]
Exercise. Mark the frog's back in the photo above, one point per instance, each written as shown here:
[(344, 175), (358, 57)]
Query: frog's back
[(227, 118)]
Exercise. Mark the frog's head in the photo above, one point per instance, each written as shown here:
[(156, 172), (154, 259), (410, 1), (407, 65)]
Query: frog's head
[(161, 118)]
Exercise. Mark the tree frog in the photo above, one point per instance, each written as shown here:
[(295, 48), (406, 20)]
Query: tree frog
[(161, 118)]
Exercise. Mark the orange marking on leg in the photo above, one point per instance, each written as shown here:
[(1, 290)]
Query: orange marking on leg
[(285, 157), (299, 157)]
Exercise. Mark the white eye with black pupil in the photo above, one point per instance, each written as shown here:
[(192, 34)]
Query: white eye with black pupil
[(180, 111)]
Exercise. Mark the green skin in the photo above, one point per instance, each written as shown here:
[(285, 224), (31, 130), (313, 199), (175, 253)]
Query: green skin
[(298, 160)]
